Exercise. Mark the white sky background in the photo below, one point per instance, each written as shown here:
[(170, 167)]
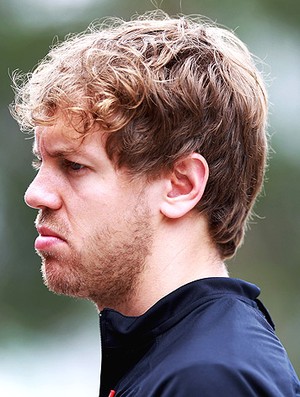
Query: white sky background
[(56, 366)]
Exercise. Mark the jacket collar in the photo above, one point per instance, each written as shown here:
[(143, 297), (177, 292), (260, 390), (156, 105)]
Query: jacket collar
[(118, 330)]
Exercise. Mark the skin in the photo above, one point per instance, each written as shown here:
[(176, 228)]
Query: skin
[(121, 242)]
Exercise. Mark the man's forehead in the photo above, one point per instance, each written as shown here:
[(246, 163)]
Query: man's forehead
[(63, 139), (57, 140)]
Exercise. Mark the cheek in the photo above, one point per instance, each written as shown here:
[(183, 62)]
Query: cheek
[(92, 214), (100, 203)]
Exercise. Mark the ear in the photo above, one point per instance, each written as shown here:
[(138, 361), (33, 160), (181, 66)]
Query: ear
[(185, 186)]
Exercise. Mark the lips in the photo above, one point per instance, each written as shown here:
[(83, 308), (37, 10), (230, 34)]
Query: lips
[(47, 239), (45, 231)]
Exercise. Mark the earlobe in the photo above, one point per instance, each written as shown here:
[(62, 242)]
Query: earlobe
[(185, 186)]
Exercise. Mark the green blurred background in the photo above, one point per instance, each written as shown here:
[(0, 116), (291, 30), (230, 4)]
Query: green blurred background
[(49, 345)]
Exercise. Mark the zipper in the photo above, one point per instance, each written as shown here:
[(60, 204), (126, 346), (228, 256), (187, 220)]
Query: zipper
[(100, 337)]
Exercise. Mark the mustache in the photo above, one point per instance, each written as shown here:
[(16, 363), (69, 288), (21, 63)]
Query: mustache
[(48, 218)]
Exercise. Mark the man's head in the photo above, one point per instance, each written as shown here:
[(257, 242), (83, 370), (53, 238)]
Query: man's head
[(160, 89), (93, 221)]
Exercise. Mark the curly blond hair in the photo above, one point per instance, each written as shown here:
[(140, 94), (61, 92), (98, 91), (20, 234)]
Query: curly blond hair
[(161, 88)]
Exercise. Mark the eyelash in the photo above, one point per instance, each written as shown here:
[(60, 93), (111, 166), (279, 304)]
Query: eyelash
[(71, 165), (36, 164), (68, 165)]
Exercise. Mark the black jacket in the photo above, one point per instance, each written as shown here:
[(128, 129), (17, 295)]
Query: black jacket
[(209, 338)]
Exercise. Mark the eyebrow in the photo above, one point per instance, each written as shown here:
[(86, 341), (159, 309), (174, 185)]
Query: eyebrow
[(55, 153)]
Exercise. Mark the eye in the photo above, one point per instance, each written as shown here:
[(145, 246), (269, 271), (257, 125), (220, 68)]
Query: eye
[(72, 166)]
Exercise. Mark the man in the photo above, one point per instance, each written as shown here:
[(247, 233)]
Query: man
[(150, 139)]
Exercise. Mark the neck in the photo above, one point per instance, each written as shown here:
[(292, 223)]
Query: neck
[(182, 252)]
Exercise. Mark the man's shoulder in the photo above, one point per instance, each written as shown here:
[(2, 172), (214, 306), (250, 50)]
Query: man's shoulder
[(222, 379), (222, 324), (223, 347), (227, 349)]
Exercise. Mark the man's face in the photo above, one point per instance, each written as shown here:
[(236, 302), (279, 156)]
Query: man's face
[(94, 222)]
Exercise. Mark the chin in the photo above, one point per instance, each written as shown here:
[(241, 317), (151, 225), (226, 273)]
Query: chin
[(61, 281)]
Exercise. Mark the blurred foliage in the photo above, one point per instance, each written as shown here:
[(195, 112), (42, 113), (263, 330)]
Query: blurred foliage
[(270, 255)]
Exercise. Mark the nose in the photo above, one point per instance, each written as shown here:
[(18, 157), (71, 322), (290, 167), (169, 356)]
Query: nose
[(43, 193)]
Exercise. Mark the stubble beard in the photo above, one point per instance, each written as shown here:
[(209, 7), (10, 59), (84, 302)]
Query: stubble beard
[(107, 270)]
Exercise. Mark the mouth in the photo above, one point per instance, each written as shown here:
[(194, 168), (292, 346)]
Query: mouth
[(47, 239), (45, 231)]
